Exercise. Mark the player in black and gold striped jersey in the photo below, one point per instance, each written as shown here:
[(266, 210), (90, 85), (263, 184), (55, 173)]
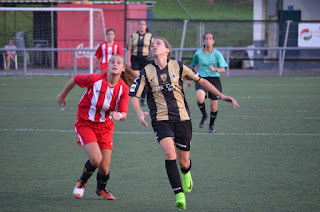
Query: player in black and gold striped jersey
[(169, 112), (139, 49)]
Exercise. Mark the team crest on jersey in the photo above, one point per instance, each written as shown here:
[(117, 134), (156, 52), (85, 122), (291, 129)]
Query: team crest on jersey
[(174, 76), (163, 77)]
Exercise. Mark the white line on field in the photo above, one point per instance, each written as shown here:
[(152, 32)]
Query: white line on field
[(147, 133)]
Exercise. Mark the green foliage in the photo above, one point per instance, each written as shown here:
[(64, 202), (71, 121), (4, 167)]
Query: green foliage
[(203, 9), (264, 156)]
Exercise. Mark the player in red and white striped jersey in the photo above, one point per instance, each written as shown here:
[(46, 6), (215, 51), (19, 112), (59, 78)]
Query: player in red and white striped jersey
[(106, 50), (105, 100)]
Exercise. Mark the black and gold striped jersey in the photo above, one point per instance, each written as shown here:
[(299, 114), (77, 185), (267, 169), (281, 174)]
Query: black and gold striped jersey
[(140, 44), (165, 95)]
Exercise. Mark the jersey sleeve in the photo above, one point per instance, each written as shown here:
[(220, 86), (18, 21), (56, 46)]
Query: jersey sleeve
[(124, 99), (195, 60), (85, 80), (120, 50), (130, 44), (98, 53), (189, 74), (221, 61), (138, 85)]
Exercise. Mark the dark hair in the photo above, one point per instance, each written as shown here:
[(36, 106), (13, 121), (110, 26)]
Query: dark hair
[(147, 30), (128, 76), (204, 36), (111, 29)]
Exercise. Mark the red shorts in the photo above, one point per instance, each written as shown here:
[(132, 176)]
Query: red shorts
[(100, 132), (9, 55)]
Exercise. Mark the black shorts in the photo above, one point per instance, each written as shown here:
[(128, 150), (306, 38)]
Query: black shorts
[(139, 62), (180, 131), (214, 81)]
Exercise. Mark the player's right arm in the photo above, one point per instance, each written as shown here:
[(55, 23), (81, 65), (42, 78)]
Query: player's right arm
[(62, 97), (136, 107)]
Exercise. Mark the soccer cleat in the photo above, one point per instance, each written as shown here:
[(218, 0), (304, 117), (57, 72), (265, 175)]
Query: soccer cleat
[(181, 201), (187, 183), (78, 190), (203, 121), (211, 129), (105, 194)]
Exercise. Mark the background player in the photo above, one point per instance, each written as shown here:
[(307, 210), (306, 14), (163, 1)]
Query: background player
[(139, 49), (210, 64), (106, 50)]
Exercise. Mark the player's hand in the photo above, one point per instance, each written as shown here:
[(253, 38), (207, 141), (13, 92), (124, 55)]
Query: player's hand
[(141, 118), (189, 83), (129, 64), (62, 101), (213, 68), (232, 101), (115, 115)]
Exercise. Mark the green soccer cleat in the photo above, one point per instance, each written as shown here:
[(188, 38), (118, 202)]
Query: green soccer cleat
[(181, 201), (187, 182)]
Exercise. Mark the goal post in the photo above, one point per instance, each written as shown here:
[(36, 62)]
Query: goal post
[(60, 27)]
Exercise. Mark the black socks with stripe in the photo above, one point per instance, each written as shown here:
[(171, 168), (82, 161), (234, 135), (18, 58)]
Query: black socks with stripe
[(173, 175)]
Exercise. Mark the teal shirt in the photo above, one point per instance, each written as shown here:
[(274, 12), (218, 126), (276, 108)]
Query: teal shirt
[(206, 60)]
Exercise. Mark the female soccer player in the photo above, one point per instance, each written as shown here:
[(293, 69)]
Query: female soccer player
[(105, 100), (106, 50), (210, 64), (169, 112), (138, 50)]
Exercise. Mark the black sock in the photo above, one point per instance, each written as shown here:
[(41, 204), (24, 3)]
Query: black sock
[(213, 116), (186, 170), (102, 181), (173, 175), (202, 108), (87, 171)]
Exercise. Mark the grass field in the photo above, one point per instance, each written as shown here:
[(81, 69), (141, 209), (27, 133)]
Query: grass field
[(265, 156)]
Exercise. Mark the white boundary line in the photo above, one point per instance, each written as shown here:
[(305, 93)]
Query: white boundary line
[(148, 133)]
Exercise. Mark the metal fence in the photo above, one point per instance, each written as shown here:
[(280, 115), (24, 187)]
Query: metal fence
[(35, 61)]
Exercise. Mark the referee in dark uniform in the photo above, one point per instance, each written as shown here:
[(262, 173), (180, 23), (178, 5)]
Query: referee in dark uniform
[(169, 112), (139, 49)]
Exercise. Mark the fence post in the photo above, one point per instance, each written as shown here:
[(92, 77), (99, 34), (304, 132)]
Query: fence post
[(228, 61), (279, 62), (25, 62), (74, 62)]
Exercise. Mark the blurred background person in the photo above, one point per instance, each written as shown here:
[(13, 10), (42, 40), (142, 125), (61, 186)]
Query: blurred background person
[(106, 50), (10, 53), (210, 64), (138, 51)]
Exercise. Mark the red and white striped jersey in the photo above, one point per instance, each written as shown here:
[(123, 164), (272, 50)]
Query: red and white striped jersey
[(105, 52), (100, 99)]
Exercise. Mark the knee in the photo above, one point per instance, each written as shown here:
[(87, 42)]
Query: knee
[(184, 163), (96, 161), (170, 155), (104, 168)]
